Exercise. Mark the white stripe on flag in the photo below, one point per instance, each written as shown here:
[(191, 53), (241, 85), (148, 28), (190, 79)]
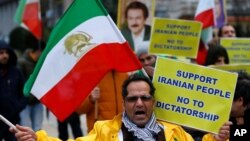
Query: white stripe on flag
[(204, 5), (58, 63), (31, 1)]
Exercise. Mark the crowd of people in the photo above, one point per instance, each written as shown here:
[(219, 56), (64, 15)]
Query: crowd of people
[(121, 106)]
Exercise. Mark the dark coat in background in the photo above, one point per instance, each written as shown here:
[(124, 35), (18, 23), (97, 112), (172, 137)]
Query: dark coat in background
[(12, 100)]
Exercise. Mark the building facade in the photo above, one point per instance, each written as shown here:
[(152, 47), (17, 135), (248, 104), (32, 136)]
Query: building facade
[(7, 12), (238, 13)]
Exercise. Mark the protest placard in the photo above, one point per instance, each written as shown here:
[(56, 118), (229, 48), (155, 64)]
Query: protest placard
[(238, 49), (122, 5), (234, 67), (193, 95), (175, 37)]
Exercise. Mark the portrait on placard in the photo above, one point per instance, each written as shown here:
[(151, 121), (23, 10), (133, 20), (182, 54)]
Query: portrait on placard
[(134, 20)]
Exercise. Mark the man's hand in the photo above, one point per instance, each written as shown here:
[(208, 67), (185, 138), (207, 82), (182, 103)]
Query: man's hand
[(95, 94), (149, 70), (24, 133), (224, 132)]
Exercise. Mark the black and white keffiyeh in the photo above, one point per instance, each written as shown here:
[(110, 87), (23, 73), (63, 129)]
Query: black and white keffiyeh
[(143, 134)]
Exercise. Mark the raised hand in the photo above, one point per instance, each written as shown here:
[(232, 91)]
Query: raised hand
[(23, 133)]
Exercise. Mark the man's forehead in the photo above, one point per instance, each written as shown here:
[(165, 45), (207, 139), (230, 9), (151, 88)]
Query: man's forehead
[(228, 27), (145, 90), (135, 11), (145, 55), (138, 85)]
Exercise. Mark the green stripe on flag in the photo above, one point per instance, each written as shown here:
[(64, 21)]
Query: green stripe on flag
[(19, 12), (79, 12)]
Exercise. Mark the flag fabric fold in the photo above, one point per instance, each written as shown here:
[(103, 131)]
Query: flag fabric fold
[(84, 45), (205, 13), (28, 15)]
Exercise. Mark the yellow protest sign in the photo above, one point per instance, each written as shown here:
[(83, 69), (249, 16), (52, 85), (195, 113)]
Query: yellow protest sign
[(238, 49), (233, 67), (193, 95), (175, 37)]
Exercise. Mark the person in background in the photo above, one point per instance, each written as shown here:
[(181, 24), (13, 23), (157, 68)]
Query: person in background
[(136, 31), (217, 55), (136, 122), (104, 102), (32, 115), (147, 60), (74, 121), (240, 111), (227, 31), (12, 100)]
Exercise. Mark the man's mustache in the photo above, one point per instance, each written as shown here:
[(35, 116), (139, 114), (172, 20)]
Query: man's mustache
[(134, 25)]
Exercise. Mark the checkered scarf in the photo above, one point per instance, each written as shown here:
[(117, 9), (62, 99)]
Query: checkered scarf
[(142, 134)]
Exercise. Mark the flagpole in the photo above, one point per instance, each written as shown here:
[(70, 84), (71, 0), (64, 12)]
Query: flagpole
[(95, 91), (2, 118), (96, 110), (115, 90)]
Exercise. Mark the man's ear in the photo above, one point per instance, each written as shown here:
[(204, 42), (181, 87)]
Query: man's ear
[(153, 103), (241, 100)]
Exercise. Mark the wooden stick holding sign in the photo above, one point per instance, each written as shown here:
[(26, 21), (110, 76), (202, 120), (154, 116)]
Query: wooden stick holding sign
[(96, 95)]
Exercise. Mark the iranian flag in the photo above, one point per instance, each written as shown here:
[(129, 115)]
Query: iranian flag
[(28, 16), (84, 45), (205, 13)]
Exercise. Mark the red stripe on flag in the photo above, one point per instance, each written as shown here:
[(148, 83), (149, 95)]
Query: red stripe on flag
[(202, 54), (68, 94), (206, 17), (32, 20)]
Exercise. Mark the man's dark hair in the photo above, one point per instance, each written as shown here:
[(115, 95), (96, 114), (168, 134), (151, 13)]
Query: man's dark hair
[(220, 29), (135, 78), (243, 88), (214, 53), (137, 5)]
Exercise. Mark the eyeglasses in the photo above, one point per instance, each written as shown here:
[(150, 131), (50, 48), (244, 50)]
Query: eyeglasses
[(143, 98)]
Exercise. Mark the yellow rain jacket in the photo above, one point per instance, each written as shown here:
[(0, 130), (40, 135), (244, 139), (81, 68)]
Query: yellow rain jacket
[(109, 130)]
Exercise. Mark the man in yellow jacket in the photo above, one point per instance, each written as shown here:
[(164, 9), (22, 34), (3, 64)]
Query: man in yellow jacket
[(137, 122)]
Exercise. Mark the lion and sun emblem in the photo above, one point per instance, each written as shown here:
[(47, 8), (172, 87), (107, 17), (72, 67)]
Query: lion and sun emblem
[(75, 43)]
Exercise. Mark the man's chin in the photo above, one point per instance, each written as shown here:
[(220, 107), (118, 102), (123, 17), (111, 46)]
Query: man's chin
[(141, 124), (140, 121), (134, 31)]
